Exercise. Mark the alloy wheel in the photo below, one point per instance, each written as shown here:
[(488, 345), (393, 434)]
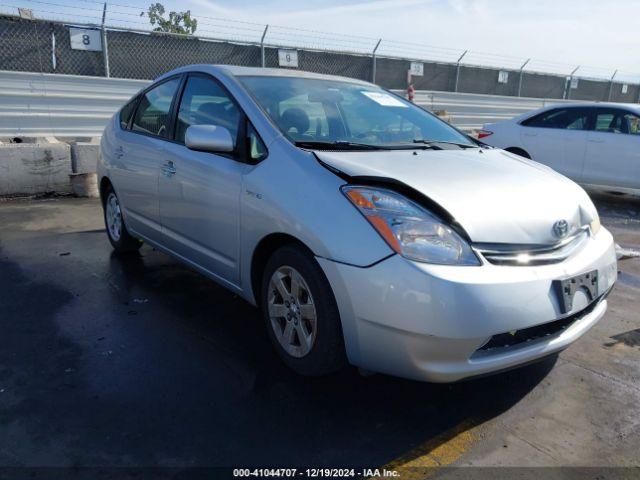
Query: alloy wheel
[(292, 312), (113, 216)]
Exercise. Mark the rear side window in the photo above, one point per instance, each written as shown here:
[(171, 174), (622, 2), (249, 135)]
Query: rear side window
[(152, 115), (617, 121), (204, 102), (126, 112), (561, 118)]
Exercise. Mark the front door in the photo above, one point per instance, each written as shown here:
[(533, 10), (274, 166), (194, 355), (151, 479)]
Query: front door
[(200, 191), (558, 139)]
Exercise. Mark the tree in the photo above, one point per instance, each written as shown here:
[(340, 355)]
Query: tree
[(178, 22)]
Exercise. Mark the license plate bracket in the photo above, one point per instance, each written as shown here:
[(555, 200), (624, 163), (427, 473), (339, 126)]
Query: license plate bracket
[(567, 288)]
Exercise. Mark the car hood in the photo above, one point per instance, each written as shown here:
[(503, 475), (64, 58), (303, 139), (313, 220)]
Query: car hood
[(497, 197)]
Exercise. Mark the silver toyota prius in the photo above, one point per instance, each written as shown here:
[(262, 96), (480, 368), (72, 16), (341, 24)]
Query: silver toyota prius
[(366, 230)]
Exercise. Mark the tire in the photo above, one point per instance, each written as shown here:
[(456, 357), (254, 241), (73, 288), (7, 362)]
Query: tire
[(323, 351), (518, 151), (117, 232)]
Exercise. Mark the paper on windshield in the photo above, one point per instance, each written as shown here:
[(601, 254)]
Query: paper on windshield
[(384, 99)]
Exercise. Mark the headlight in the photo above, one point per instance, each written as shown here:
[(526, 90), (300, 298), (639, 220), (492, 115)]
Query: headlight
[(409, 229)]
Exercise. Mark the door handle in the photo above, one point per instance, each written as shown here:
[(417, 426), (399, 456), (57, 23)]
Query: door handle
[(530, 134), (169, 169), (596, 140)]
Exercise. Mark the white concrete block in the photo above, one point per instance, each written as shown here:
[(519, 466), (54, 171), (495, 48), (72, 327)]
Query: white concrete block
[(84, 157), (34, 168)]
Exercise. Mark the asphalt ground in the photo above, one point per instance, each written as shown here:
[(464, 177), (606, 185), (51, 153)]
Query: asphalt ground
[(112, 366)]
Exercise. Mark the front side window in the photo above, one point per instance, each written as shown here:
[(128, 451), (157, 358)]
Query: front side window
[(152, 115), (329, 111), (561, 118), (633, 123), (204, 102), (617, 121)]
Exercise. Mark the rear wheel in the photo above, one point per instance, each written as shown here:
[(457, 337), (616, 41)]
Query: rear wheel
[(301, 314), (119, 237)]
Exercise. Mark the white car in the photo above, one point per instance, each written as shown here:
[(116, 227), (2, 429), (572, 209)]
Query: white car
[(594, 144)]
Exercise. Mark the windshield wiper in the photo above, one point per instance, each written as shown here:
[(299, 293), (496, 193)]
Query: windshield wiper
[(338, 145), (346, 145), (434, 143)]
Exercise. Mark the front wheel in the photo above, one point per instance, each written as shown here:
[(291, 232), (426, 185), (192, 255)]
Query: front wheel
[(117, 232), (301, 313)]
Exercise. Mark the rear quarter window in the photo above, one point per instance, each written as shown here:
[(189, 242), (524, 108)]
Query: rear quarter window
[(126, 112)]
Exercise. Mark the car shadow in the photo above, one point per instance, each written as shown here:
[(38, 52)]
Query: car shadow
[(138, 361), (241, 406)]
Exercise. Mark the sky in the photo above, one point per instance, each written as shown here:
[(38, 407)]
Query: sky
[(557, 35)]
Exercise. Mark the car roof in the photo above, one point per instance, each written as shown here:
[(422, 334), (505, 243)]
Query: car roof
[(238, 71), (571, 104), (633, 106)]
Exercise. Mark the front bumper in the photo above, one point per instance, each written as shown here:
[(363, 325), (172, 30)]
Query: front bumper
[(428, 322)]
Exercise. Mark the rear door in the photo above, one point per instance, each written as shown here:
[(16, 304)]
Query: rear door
[(558, 138), (139, 157), (613, 149)]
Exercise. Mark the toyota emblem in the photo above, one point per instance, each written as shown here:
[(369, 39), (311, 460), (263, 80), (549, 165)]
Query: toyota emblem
[(561, 228)]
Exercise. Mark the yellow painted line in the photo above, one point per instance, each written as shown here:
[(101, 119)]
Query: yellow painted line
[(439, 451)]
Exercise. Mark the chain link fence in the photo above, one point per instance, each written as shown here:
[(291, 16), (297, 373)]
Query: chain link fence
[(25, 46), (48, 47), (148, 55)]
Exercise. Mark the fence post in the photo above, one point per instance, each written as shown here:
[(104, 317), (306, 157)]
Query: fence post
[(53, 50), (520, 78), (567, 85), (455, 86), (373, 61), (611, 85), (105, 47), (264, 34)]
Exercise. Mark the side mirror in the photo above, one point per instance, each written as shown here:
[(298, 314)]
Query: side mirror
[(208, 138)]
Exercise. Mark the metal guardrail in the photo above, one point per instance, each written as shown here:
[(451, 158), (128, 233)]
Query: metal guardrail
[(36, 105)]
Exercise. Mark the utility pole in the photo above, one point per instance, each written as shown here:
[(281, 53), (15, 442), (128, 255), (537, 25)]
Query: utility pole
[(105, 47), (455, 86), (611, 85), (264, 34), (373, 61), (567, 87), (521, 73)]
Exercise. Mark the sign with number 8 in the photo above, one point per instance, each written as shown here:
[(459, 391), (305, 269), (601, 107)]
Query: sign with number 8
[(85, 39)]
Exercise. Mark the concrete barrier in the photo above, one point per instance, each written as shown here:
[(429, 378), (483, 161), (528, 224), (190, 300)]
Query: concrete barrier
[(84, 157), (84, 185), (34, 168)]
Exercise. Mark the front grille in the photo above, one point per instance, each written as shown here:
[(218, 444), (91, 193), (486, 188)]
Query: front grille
[(503, 341), (519, 255)]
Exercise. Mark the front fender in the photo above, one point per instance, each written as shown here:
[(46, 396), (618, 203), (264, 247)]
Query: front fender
[(291, 193)]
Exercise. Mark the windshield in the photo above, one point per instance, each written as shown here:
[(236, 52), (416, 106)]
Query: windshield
[(313, 112)]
